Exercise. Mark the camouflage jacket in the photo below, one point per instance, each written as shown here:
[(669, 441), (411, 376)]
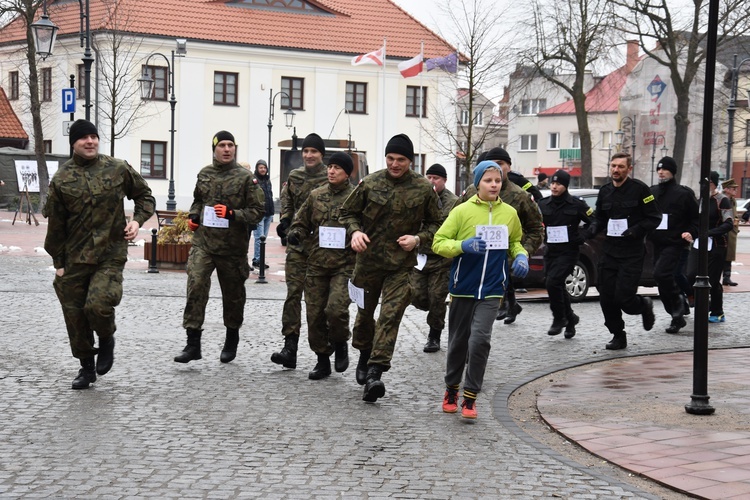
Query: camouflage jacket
[(446, 200), (296, 190), (322, 208), (385, 209), (86, 211), (231, 185), (528, 212)]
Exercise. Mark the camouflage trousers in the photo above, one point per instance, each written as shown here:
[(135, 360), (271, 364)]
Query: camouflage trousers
[(394, 292), (327, 303), (232, 272), (429, 288), (295, 269), (88, 295)]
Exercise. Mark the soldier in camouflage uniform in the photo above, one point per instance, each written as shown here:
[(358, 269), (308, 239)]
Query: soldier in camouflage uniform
[(531, 220), (227, 201), (329, 267), (301, 181), (429, 285), (87, 237), (389, 214)]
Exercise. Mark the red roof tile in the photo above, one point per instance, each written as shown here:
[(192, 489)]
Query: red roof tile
[(352, 27), (604, 97), (10, 125)]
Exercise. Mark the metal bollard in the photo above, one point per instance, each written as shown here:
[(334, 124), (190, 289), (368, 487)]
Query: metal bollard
[(262, 272), (152, 262)]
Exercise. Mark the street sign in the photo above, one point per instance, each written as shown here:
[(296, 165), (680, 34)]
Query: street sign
[(66, 127), (69, 100)]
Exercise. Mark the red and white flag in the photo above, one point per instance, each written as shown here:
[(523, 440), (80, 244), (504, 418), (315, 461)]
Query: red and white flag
[(412, 67), (375, 57)]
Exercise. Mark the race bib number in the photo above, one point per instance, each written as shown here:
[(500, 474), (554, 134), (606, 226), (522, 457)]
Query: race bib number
[(496, 237), (331, 237), (664, 225), (557, 234), (421, 261), (615, 227), (710, 243), (211, 220), (357, 295)]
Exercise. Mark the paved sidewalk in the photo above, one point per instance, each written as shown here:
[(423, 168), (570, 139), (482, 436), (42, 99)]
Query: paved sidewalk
[(152, 427)]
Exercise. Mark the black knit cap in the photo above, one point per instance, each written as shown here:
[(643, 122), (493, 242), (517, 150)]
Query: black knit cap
[(221, 136), (316, 142), (561, 177), (437, 169), (495, 154), (667, 163), (343, 160), (541, 177), (714, 178), (81, 128), (401, 145)]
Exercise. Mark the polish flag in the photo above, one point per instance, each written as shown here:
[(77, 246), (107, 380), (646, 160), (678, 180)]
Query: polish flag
[(412, 67), (375, 57)]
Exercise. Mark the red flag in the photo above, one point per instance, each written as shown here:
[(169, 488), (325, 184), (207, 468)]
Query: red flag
[(375, 57), (412, 67)]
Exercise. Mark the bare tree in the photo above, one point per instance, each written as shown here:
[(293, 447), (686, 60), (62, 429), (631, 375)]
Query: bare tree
[(119, 59), (25, 12), (677, 41), (571, 37)]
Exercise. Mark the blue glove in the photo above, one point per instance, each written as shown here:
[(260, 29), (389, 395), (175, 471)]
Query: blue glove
[(520, 266), (475, 245)]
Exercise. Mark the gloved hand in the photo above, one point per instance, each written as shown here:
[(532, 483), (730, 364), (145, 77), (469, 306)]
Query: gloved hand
[(293, 238), (630, 233), (193, 222), (588, 233), (475, 246), (282, 227), (224, 212), (520, 266)]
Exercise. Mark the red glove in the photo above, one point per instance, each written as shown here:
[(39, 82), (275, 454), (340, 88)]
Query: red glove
[(193, 222), (224, 212)]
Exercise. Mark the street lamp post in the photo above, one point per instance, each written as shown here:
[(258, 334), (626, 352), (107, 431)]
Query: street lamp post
[(45, 32), (288, 119), (664, 150), (620, 136), (147, 88), (731, 110)]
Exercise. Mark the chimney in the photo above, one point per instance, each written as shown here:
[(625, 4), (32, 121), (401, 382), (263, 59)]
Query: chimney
[(632, 55)]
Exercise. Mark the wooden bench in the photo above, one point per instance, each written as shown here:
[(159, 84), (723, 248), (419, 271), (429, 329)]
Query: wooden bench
[(165, 217)]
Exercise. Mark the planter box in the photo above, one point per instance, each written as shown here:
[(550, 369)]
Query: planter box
[(168, 255)]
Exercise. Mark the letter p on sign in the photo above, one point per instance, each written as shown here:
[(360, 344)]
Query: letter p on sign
[(69, 100)]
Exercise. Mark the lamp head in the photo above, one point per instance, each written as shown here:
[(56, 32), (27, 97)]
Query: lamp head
[(45, 34)]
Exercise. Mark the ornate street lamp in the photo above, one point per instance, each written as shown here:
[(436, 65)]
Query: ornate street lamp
[(288, 119), (45, 34), (147, 88)]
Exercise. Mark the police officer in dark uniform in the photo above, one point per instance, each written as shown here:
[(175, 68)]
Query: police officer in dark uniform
[(679, 226), (562, 214), (626, 211)]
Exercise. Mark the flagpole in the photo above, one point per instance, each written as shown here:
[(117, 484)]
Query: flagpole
[(421, 105), (382, 101)]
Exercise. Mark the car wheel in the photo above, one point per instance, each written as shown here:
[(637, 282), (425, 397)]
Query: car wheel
[(577, 283)]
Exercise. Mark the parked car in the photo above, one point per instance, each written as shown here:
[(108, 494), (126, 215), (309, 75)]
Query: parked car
[(743, 204), (585, 273)]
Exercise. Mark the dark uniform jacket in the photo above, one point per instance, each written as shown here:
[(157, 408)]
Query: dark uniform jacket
[(446, 200), (681, 207), (296, 190), (322, 208), (525, 184), (234, 186), (632, 201), (86, 212), (385, 209), (720, 219), (565, 210)]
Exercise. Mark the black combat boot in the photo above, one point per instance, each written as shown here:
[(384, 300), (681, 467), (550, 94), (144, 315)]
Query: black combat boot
[(86, 375), (192, 350), (557, 326), (433, 341), (678, 321), (229, 351), (106, 354), (374, 387), (322, 368), (570, 330), (502, 311), (648, 314), (514, 310), (341, 357), (619, 341), (361, 372), (288, 355), (727, 281)]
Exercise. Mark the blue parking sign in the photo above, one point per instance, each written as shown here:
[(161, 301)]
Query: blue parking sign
[(69, 100)]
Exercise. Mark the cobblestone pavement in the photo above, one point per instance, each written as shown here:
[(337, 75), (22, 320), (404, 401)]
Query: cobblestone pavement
[(155, 428)]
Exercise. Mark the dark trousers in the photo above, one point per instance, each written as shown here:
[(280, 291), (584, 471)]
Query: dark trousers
[(716, 258), (558, 266), (618, 288), (666, 263)]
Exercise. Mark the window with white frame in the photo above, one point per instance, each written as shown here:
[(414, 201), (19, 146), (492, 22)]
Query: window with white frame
[(533, 106), (606, 140), (464, 117), (553, 140), (575, 140), (528, 143), (478, 119)]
